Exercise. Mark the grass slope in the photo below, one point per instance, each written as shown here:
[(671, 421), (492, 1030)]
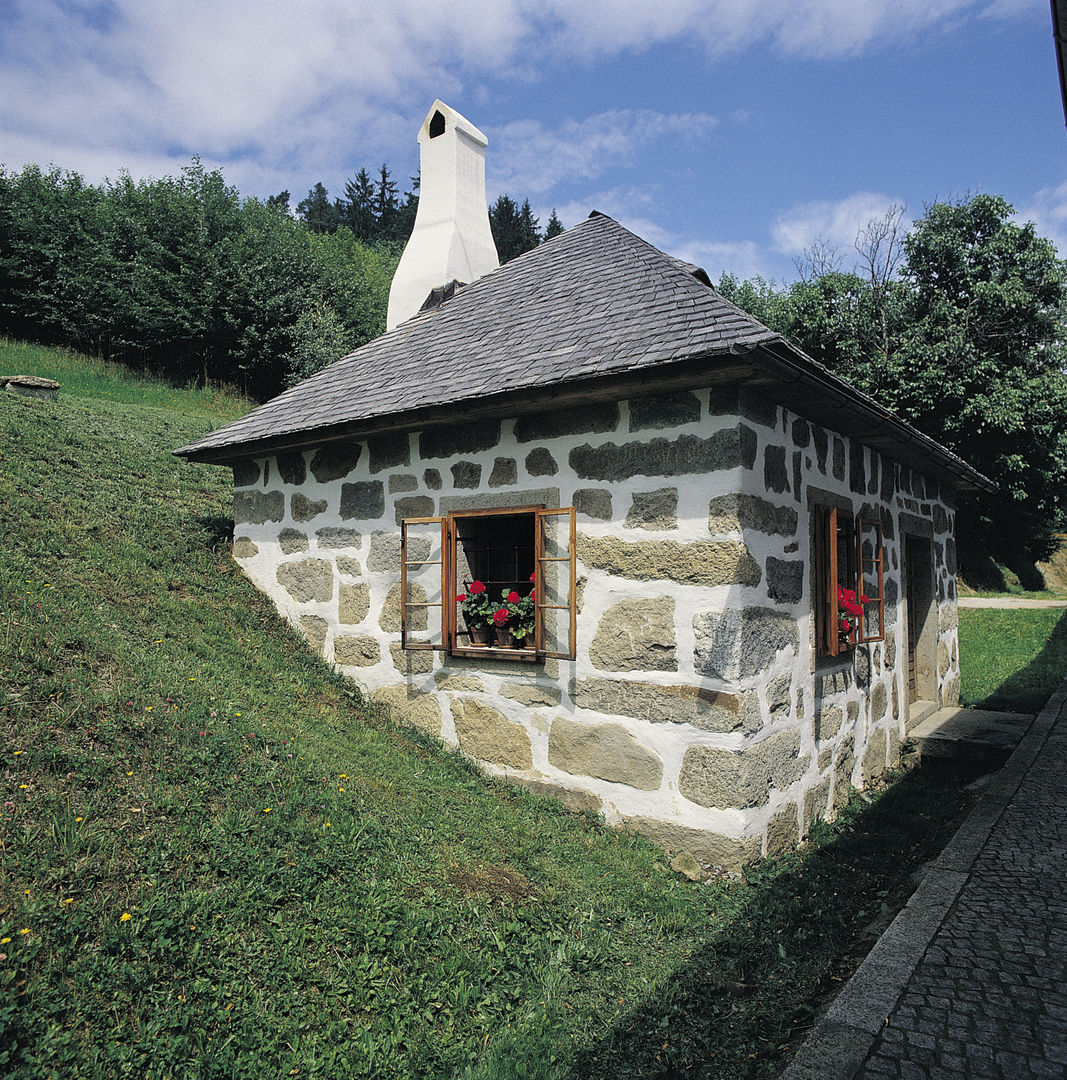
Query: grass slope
[(215, 861)]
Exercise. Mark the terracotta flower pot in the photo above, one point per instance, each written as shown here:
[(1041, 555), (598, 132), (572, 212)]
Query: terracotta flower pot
[(479, 635), (505, 639)]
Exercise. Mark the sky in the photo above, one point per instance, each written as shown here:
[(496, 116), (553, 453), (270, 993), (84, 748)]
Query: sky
[(731, 133)]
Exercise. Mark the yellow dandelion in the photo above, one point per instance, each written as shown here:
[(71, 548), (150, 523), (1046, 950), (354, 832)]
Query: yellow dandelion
[(344, 776), (236, 714), (267, 809), (340, 789), (125, 917), (17, 752), (77, 819), (4, 941), (23, 787), (69, 901), (24, 930), (327, 824)]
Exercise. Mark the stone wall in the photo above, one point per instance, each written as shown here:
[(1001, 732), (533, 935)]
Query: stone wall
[(695, 711)]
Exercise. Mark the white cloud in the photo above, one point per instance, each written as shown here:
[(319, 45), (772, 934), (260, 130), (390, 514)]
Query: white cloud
[(631, 209), (834, 223), (324, 81), (810, 28), (529, 157), (1047, 209)]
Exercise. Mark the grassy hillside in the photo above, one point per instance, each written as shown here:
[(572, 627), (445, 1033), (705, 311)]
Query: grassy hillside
[(216, 862)]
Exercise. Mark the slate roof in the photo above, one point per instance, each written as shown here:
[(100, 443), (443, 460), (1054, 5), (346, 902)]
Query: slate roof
[(592, 304)]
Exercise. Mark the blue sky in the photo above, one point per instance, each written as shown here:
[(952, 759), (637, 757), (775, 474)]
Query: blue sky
[(733, 133)]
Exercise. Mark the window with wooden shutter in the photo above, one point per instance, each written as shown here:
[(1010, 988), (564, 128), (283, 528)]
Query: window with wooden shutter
[(849, 604), (526, 552)]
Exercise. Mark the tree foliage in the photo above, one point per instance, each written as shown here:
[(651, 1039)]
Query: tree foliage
[(181, 276), (515, 229), (958, 327)]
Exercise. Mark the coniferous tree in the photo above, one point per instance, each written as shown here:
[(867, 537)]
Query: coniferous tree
[(506, 227), (386, 205), (554, 226), (358, 213), (528, 230), (279, 201), (408, 209), (317, 212)]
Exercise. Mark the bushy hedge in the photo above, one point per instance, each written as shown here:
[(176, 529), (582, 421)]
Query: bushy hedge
[(183, 277)]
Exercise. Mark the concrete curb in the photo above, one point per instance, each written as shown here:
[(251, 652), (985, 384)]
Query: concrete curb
[(838, 1045)]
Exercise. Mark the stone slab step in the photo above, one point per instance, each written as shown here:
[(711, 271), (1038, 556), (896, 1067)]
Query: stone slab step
[(973, 734)]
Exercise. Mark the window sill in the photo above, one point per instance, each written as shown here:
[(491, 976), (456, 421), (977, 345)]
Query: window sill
[(496, 652)]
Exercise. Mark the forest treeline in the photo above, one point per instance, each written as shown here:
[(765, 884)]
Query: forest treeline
[(184, 277), (373, 210), (956, 324)]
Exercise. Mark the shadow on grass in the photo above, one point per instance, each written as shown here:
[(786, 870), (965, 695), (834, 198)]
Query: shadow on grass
[(218, 530), (1027, 689), (749, 995)]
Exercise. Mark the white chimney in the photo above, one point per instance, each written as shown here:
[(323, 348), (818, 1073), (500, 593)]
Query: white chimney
[(451, 240)]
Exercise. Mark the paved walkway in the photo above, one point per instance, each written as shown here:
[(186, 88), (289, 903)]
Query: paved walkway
[(970, 979)]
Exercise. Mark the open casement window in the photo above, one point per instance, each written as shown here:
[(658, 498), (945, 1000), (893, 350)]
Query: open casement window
[(423, 612), (871, 627), (517, 549), (848, 556)]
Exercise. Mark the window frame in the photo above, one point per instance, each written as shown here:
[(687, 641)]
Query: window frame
[(831, 520), (450, 634)]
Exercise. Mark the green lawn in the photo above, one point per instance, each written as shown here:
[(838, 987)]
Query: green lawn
[(1012, 659), (215, 861), (84, 376)]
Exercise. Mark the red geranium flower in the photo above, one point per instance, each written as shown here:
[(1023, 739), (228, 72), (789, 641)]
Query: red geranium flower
[(533, 576), (500, 616), (845, 626), (513, 597), (461, 597), (476, 588)]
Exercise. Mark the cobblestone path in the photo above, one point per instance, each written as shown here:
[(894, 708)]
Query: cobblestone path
[(971, 978), (989, 998)]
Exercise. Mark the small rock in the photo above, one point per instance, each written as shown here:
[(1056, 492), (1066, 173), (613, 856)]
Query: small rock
[(684, 863)]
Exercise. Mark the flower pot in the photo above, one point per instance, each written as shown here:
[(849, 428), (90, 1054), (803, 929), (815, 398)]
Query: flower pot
[(479, 635), (505, 639)]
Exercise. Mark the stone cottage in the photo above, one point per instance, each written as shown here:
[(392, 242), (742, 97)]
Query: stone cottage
[(687, 493)]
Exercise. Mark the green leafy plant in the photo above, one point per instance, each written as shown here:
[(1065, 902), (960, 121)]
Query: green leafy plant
[(476, 607)]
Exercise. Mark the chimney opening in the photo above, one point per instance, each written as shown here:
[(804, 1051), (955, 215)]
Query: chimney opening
[(437, 124)]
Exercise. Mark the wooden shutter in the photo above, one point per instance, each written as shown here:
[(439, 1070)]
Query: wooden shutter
[(870, 580), (423, 622), (826, 638), (555, 568)]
